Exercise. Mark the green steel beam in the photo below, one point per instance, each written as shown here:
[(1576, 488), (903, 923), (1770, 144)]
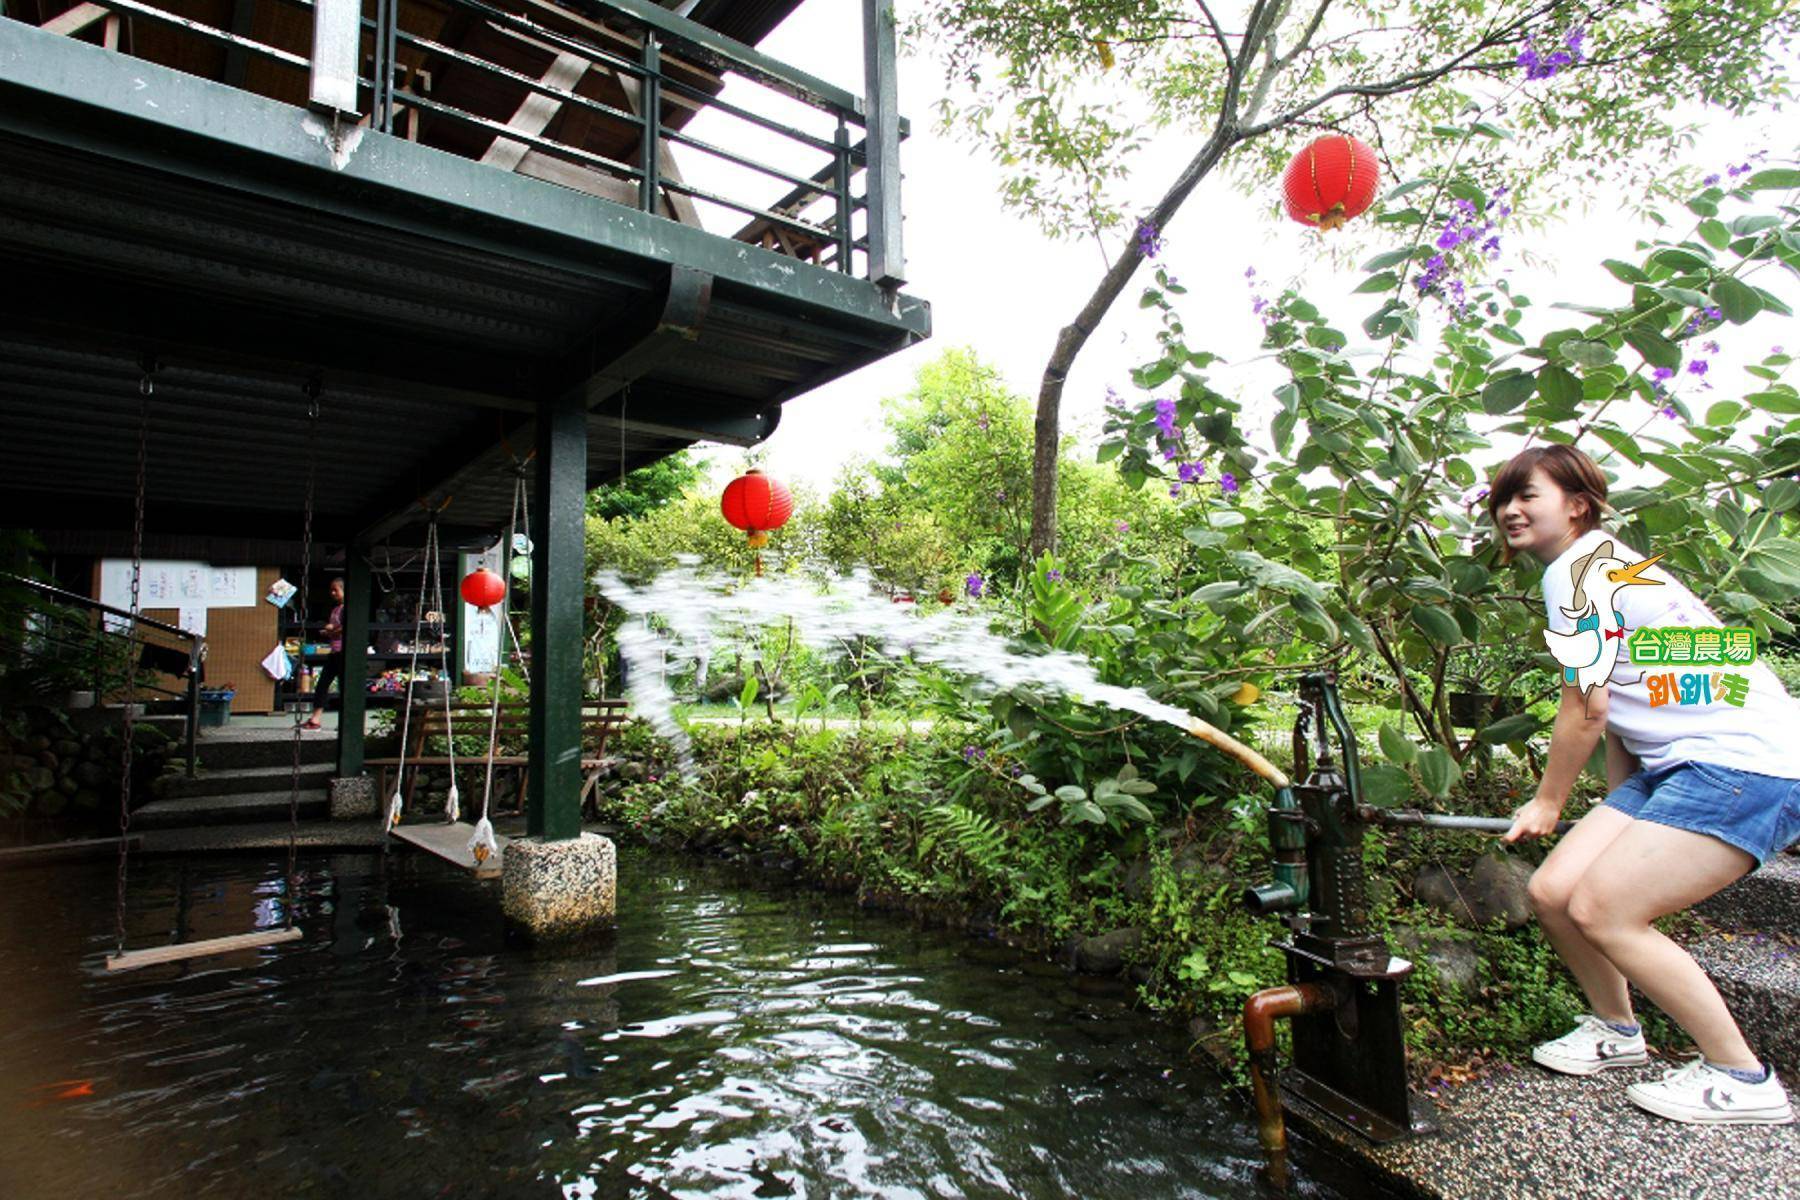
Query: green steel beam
[(355, 683), (553, 803), (68, 93)]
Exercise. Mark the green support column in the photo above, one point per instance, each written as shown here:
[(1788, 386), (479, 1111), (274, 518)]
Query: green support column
[(355, 683), (553, 805)]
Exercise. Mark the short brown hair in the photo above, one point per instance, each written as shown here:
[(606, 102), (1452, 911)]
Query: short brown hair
[(1568, 468)]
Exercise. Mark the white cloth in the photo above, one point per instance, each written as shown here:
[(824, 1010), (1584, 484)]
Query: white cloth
[(1757, 737), (278, 666)]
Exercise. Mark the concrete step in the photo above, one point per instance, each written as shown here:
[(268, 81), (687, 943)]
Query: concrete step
[(237, 781), (1765, 901), (1759, 976), (238, 748), (226, 810)]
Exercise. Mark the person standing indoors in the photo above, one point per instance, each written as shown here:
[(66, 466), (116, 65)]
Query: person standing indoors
[(1700, 793), (334, 666)]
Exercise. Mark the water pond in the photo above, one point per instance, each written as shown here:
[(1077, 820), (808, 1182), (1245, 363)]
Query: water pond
[(736, 1039)]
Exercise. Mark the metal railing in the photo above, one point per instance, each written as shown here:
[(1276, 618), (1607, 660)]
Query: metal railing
[(59, 640), (420, 71)]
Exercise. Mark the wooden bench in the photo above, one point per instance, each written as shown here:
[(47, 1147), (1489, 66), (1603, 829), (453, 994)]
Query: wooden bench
[(600, 719)]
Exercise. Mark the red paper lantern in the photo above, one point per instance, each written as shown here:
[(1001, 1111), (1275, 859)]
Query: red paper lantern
[(482, 588), (756, 504), (1331, 181)]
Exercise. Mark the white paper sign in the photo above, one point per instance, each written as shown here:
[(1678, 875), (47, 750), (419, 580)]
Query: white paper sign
[(192, 619)]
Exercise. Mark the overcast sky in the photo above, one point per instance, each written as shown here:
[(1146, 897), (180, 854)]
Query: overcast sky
[(997, 284)]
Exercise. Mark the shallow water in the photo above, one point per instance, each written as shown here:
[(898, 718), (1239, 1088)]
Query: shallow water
[(734, 1039)]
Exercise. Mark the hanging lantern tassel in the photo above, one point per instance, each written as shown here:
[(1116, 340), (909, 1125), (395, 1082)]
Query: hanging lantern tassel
[(452, 811), (393, 814), (1331, 181), (482, 844), (756, 504)]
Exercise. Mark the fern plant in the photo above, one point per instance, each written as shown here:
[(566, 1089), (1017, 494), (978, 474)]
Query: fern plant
[(978, 839)]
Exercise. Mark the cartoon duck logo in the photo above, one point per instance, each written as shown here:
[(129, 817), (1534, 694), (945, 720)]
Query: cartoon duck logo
[(1589, 654)]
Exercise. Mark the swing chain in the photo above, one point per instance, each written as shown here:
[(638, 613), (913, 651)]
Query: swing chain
[(146, 386), (312, 460)]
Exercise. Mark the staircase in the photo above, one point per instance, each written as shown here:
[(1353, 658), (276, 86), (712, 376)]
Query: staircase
[(1754, 958), (246, 777)]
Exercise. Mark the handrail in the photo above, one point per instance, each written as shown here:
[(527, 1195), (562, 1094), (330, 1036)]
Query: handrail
[(196, 647), (81, 601)]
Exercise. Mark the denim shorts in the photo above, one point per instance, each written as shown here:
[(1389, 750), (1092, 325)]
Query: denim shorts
[(1759, 814)]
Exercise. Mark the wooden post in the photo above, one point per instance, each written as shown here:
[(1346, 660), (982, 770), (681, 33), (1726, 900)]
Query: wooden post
[(355, 683), (553, 805), (887, 264)]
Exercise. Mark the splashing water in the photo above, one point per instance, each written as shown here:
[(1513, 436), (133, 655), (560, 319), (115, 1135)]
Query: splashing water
[(700, 609)]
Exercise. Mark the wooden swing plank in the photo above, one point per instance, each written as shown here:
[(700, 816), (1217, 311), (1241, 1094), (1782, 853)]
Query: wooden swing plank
[(131, 960), (451, 843)]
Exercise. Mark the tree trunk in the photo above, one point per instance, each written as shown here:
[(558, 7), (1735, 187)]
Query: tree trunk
[(1074, 336)]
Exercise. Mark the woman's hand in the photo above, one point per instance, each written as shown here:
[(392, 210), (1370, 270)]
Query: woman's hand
[(1533, 820)]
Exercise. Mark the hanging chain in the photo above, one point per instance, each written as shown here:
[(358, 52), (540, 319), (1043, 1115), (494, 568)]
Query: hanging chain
[(306, 545), (146, 387)]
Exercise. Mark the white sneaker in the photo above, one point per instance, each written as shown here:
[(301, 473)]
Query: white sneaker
[(1590, 1047), (1703, 1095)]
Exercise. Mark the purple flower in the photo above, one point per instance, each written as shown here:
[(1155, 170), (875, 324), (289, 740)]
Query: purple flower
[(974, 584), (1228, 483), (1712, 314), (1697, 367), (1449, 239), (1257, 304), (1121, 527), (1113, 399), (1149, 239), (1491, 247), (1165, 417), (1191, 472), (1249, 272), (1662, 373), (981, 422), (1053, 575), (1776, 350), (1710, 181), (1710, 347), (1669, 411), (1171, 451), (1174, 491), (972, 753)]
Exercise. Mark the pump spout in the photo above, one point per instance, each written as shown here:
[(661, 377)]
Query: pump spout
[(1214, 736)]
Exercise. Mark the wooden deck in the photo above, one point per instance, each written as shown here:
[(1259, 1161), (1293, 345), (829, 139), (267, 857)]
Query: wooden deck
[(451, 843)]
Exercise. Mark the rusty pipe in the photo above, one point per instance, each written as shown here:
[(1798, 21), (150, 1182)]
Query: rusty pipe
[(1261, 1011)]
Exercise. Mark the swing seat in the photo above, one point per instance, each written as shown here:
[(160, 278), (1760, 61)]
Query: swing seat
[(451, 843), (131, 960)]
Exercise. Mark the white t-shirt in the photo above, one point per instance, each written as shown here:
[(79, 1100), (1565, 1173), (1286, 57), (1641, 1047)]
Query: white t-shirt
[(1762, 736)]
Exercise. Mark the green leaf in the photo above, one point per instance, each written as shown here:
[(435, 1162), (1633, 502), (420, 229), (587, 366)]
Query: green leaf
[(1506, 392), (1778, 558), (1515, 728), (1558, 387), (1069, 793), (1214, 593), (1781, 495), (1736, 300), (1388, 258), (1585, 352), (1625, 272), (1776, 400), (1656, 349), (1437, 771), (1715, 233), (1775, 179), (1437, 625), (1385, 786), (1466, 575), (1206, 539), (1383, 282), (1396, 745)]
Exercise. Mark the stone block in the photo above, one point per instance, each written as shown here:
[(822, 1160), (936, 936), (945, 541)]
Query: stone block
[(559, 889), (354, 799)]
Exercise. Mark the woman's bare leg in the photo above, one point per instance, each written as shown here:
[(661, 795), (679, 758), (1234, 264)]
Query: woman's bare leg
[(1551, 888), (1647, 872)]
